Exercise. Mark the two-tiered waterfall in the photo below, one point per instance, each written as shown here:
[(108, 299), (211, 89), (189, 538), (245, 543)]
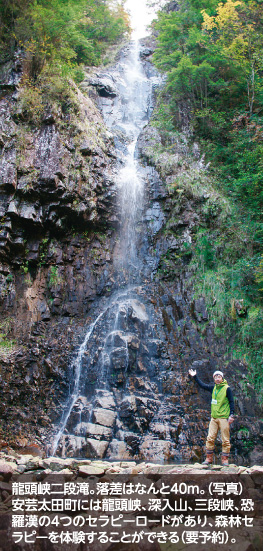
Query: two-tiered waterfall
[(129, 395), (104, 413)]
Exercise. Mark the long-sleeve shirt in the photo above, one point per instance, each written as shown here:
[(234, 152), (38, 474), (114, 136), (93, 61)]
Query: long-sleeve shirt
[(210, 388)]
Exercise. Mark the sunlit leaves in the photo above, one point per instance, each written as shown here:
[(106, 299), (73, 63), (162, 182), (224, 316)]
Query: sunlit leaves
[(66, 31), (226, 19)]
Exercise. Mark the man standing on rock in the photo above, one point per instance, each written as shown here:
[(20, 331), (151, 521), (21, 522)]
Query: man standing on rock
[(222, 414)]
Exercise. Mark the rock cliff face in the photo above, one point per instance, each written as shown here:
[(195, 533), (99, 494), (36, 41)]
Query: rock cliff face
[(60, 244), (58, 219)]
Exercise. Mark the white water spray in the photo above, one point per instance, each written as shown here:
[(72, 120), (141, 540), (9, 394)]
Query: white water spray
[(126, 115), (141, 16), (77, 364)]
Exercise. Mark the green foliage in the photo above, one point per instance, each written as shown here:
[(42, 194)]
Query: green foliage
[(240, 162), (31, 102), (43, 249), (259, 274), (61, 33), (206, 251), (9, 11), (25, 268), (212, 53), (49, 90), (226, 274), (57, 37), (54, 277), (7, 345)]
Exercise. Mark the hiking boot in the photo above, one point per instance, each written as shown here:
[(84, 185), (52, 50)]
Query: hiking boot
[(224, 459), (209, 457)]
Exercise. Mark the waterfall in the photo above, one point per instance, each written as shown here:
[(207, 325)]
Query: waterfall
[(129, 115), (113, 344), (77, 364)]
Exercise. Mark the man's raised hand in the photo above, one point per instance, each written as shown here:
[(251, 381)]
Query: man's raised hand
[(192, 372)]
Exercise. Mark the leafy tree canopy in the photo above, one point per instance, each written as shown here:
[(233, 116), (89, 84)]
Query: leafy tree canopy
[(62, 32), (212, 53)]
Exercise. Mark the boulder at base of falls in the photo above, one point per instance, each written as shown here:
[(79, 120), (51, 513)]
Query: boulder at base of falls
[(90, 470), (105, 417), (118, 450), (7, 469), (99, 432), (157, 450), (55, 464), (96, 448), (73, 446)]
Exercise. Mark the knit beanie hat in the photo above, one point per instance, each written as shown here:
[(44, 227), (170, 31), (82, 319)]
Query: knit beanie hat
[(218, 373)]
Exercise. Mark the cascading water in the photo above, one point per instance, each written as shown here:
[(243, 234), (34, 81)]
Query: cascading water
[(105, 413), (126, 116), (75, 393)]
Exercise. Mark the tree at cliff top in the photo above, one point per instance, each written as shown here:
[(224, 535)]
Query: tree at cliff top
[(212, 53), (65, 33)]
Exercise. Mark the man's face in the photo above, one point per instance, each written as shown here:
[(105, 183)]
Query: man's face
[(218, 379)]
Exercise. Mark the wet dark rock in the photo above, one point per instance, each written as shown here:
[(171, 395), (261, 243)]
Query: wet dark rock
[(105, 401), (118, 449), (199, 310), (96, 449), (86, 148), (128, 407), (8, 173), (93, 430), (146, 52), (50, 155), (10, 73), (155, 348), (105, 86), (133, 441), (74, 446), (119, 358)]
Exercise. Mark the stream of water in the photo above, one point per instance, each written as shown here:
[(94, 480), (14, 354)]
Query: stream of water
[(111, 341)]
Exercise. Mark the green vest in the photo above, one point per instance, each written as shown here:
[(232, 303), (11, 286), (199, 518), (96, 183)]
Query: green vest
[(220, 405)]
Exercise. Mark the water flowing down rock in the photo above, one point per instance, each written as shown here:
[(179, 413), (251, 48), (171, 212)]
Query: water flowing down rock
[(100, 321), (115, 345)]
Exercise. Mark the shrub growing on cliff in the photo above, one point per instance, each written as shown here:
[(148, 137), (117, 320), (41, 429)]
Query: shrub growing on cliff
[(31, 103), (57, 38)]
